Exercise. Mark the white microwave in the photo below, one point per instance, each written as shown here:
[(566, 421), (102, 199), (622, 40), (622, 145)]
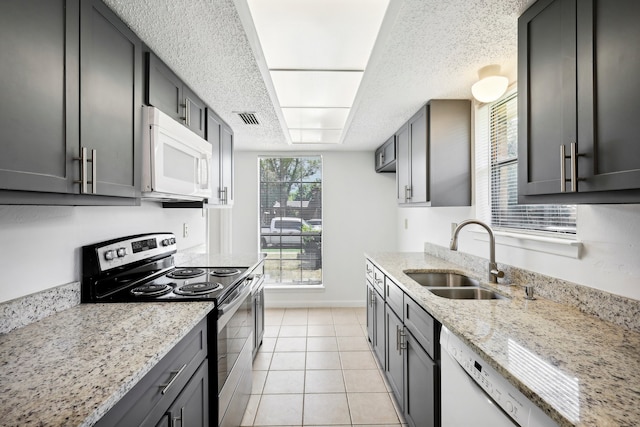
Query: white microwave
[(176, 161)]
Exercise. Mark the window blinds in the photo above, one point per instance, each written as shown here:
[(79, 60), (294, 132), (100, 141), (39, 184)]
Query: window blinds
[(502, 150)]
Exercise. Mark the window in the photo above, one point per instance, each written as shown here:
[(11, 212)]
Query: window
[(498, 149), (291, 219)]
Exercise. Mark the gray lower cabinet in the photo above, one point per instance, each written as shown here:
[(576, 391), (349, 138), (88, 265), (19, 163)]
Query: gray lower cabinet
[(70, 116), (376, 323), (433, 166), (421, 398), (175, 389), (167, 92), (395, 356), (578, 63), (411, 364)]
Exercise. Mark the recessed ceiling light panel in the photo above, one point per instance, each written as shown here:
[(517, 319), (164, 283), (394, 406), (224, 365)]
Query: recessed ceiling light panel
[(316, 88), (315, 118)]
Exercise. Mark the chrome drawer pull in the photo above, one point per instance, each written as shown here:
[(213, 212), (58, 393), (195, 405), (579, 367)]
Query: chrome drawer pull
[(176, 374)]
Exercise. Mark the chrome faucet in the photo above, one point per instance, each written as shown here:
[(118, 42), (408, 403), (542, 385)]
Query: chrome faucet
[(494, 273)]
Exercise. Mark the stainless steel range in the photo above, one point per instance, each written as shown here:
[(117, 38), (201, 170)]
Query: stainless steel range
[(142, 268)]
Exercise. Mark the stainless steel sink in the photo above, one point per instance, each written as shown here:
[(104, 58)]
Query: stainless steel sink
[(441, 280), (466, 293)]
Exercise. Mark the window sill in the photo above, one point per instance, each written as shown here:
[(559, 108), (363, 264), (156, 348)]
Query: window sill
[(566, 247), (285, 288)]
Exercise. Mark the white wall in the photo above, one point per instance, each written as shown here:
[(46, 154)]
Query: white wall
[(610, 259), (40, 245), (359, 214)]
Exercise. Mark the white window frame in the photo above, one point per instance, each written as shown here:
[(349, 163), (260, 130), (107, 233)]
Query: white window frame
[(548, 242)]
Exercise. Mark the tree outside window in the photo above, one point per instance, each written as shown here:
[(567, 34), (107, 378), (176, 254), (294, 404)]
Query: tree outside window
[(291, 219)]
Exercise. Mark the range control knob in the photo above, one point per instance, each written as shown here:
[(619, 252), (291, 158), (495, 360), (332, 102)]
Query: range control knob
[(166, 242), (508, 406), (172, 240), (109, 255), (121, 252)]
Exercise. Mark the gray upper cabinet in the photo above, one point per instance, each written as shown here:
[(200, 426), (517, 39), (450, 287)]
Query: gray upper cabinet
[(386, 156), (578, 64), (75, 68), (433, 166), (221, 138), (168, 93), (39, 69), (110, 100)]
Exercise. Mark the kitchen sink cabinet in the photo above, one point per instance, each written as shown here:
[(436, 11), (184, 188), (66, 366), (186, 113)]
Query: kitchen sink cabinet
[(412, 355), (386, 156), (76, 67), (221, 138), (433, 166), (175, 388), (578, 67), (168, 93)]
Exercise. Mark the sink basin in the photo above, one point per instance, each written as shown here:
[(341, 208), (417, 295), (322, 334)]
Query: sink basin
[(466, 293), (441, 280)]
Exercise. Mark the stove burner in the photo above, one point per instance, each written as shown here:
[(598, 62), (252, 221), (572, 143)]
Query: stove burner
[(201, 288), (151, 290), (185, 273), (224, 272)]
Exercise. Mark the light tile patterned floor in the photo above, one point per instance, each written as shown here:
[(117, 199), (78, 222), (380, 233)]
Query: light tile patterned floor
[(315, 368)]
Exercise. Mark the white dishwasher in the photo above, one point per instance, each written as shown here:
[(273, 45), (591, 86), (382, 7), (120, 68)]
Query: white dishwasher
[(474, 394)]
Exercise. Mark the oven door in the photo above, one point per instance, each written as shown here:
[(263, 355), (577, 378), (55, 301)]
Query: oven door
[(179, 160), (234, 355)]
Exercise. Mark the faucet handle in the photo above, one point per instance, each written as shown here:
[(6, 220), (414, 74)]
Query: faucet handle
[(498, 273)]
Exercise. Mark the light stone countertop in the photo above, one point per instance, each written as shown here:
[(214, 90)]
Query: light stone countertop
[(581, 370), (70, 368)]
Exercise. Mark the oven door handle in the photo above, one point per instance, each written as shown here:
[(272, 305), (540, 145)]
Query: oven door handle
[(228, 309)]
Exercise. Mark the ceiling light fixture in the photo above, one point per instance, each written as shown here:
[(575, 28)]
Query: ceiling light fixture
[(491, 85), (316, 52)]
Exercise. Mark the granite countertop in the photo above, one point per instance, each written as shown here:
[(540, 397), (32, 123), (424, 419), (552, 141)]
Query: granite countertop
[(581, 370), (70, 368)]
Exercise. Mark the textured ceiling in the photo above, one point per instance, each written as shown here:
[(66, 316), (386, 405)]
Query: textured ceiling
[(433, 49)]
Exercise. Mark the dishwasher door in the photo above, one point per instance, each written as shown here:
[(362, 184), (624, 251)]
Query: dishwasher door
[(474, 394), (464, 403)]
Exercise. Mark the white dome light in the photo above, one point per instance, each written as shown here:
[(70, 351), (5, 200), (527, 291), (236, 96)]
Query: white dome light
[(491, 85)]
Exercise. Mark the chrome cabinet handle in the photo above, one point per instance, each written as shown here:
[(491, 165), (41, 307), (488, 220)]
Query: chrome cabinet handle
[(403, 342), (226, 195), (180, 418), (380, 159), (176, 374), (407, 193), (398, 339), (573, 156), (187, 112), (84, 177)]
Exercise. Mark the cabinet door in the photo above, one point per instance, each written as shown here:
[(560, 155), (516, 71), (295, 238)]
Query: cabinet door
[(196, 111), (547, 93), (111, 99), (386, 156), (403, 165), (39, 86), (213, 136), (449, 170), (164, 88), (419, 382), (191, 408), (226, 164), (395, 357), (419, 157), (380, 338), (371, 322), (608, 84)]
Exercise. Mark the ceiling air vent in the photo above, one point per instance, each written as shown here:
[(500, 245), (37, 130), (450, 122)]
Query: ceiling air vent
[(249, 118)]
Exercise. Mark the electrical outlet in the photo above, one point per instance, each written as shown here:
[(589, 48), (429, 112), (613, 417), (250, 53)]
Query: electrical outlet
[(185, 230)]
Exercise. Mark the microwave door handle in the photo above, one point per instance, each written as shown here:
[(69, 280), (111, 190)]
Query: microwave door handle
[(198, 171), (206, 174)]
